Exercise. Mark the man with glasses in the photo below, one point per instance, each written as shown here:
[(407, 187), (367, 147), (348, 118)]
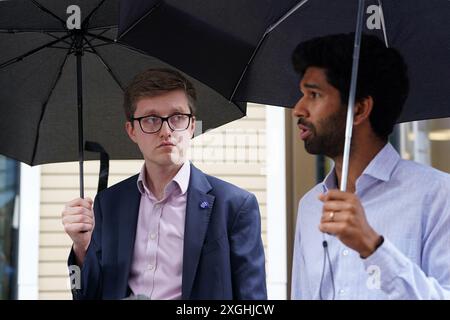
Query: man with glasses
[(170, 232)]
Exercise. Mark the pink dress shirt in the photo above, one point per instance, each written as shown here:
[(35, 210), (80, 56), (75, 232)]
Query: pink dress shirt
[(157, 266)]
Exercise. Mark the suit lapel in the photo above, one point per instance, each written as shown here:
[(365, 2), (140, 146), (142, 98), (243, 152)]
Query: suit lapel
[(128, 211), (198, 211)]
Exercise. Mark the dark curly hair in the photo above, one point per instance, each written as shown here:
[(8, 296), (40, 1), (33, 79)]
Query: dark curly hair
[(382, 74)]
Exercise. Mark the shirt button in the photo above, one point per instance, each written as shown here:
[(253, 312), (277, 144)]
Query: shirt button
[(150, 267), (342, 291), (153, 236), (345, 252)]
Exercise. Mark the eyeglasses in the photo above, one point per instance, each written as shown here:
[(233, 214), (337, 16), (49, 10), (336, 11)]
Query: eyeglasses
[(152, 123)]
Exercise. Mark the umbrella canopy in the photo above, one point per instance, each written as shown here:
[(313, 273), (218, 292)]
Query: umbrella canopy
[(41, 83), (243, 48)]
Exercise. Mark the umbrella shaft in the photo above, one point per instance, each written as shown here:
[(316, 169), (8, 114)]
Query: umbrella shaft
[(351, 97), (80, 120)]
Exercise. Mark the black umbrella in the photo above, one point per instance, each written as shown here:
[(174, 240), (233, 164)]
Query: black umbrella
[(62, 76), (243, 48), (219, 39)]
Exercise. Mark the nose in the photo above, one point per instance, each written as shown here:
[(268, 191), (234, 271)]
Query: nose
[(165, 130), (300, 109)]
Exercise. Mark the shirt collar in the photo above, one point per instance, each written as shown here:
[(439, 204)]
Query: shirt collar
[(181, 180), (183, 176), (380, 168), (330, 181)]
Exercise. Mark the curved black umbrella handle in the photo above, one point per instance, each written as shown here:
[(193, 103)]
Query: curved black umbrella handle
[(104, 163)]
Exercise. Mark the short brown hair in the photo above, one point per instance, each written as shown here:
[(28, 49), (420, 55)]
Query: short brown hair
[(154, 82)]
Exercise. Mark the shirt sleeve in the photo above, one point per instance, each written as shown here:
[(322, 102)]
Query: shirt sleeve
[(401, 278)]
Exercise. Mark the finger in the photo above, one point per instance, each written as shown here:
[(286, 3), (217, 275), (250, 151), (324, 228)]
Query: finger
[(336, 194), (86, 203), (328, 216), (78, 227), (333, 228), (77, 211), (336, 216), (336, 205), (81, 218)]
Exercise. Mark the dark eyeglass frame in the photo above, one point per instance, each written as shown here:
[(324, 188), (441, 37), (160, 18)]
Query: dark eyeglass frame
[(164, 119)]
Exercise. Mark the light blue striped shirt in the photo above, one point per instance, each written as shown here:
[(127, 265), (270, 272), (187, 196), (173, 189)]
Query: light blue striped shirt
[(407, 203)]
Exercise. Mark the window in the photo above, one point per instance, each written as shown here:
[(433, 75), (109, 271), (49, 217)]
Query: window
[(427, 142), (9, 174)]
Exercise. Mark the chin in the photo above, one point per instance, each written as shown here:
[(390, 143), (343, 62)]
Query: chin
[(169, 159), (311, 148), (330, 152)]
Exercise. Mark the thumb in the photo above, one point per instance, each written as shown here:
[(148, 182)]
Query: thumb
[(322, 197), (89, 200)]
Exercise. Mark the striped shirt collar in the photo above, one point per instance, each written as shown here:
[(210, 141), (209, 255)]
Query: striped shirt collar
[(380, 167)]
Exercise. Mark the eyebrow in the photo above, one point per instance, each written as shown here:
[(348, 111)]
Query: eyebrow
[(311, 86), (153, 112)]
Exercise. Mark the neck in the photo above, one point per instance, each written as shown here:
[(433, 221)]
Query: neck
[(160, 177), (361, 155)]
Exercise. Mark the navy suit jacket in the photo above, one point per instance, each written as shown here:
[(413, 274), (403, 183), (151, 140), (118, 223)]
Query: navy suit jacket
[(223, 254)]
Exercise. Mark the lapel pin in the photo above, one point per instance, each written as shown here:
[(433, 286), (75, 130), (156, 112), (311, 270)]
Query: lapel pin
[(204, 205)]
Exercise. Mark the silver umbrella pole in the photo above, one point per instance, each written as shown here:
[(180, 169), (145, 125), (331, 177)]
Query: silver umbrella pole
[(351, 97)]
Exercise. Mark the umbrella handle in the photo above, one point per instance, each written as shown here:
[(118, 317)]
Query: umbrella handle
[(104, 163)]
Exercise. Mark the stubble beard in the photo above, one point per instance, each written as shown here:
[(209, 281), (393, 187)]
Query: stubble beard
[(329, 140)]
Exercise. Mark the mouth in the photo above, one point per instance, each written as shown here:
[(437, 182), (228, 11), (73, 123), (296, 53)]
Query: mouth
[(166, 144), (305, 132)]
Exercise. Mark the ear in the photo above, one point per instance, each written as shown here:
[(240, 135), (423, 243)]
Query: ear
[(363, 109), (192, 127), (131, 130)]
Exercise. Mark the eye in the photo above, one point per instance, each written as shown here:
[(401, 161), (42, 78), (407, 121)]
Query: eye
[(314, 94), (151, 120)]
